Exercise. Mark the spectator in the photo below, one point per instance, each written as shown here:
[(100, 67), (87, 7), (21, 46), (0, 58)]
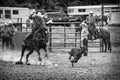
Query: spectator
[(11, 29), (84, 36), (5, 36)]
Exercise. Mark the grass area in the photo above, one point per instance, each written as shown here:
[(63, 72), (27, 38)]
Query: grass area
[(96, 66)]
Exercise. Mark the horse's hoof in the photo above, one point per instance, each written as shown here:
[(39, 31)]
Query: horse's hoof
[(110, 50), (73, 65), (40, 59), (19, 62), (46, 55), (28, 63), (85, 54)]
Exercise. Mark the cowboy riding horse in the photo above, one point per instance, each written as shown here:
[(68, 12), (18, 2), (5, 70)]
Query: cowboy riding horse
[(35, 40)]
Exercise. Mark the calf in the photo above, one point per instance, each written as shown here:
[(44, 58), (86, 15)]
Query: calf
[(76, 53)]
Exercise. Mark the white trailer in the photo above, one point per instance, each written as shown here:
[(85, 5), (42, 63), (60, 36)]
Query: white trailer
[(15, 14), (113, 11)]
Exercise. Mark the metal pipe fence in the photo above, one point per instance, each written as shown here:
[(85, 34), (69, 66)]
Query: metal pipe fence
[(60, 37), (65, 42)]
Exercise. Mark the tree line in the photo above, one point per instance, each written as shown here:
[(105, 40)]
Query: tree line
[(53, 4)]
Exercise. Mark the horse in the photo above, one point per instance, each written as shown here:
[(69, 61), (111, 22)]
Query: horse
[(40, 42), (102, 33)]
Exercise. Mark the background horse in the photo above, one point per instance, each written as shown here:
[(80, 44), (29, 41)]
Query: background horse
[(100, 33), (104, 34), (40, 42)]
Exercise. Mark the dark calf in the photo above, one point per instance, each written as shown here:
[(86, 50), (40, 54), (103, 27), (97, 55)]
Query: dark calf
[(76, 53)]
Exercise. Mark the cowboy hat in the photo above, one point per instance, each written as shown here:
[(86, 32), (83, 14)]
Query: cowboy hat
[(83, 24), (10, 22), (5, 23), (91, 11)]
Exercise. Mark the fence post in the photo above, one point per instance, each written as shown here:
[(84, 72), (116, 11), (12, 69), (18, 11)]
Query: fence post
[(21, 23), (80, 37), (64, 36), (26, 27), (75, 35), (102, 11), (50, 38), (75, 39)]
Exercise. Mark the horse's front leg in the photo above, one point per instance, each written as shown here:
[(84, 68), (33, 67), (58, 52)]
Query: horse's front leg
[(101, 45), (70, 57), (105, 45), (109, 45), (39, 58), (30, 52), (46, 54)]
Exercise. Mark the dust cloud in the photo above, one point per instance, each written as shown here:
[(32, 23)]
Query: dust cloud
[(10, 55)]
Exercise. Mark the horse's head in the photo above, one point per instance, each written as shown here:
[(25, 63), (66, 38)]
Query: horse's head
[(96, 33), (43, 35)]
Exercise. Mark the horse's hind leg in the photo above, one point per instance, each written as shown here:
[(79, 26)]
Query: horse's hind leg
[(23, 51), (109, 46), (30, 52)]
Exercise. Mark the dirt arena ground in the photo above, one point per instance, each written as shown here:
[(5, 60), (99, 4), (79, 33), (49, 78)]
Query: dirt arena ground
[(96, 66)]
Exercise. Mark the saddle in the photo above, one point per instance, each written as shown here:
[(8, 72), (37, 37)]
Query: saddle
[(32, 37), (28, 38)]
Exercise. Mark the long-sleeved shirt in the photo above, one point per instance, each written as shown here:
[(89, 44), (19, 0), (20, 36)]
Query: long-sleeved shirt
[(84, 33)]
